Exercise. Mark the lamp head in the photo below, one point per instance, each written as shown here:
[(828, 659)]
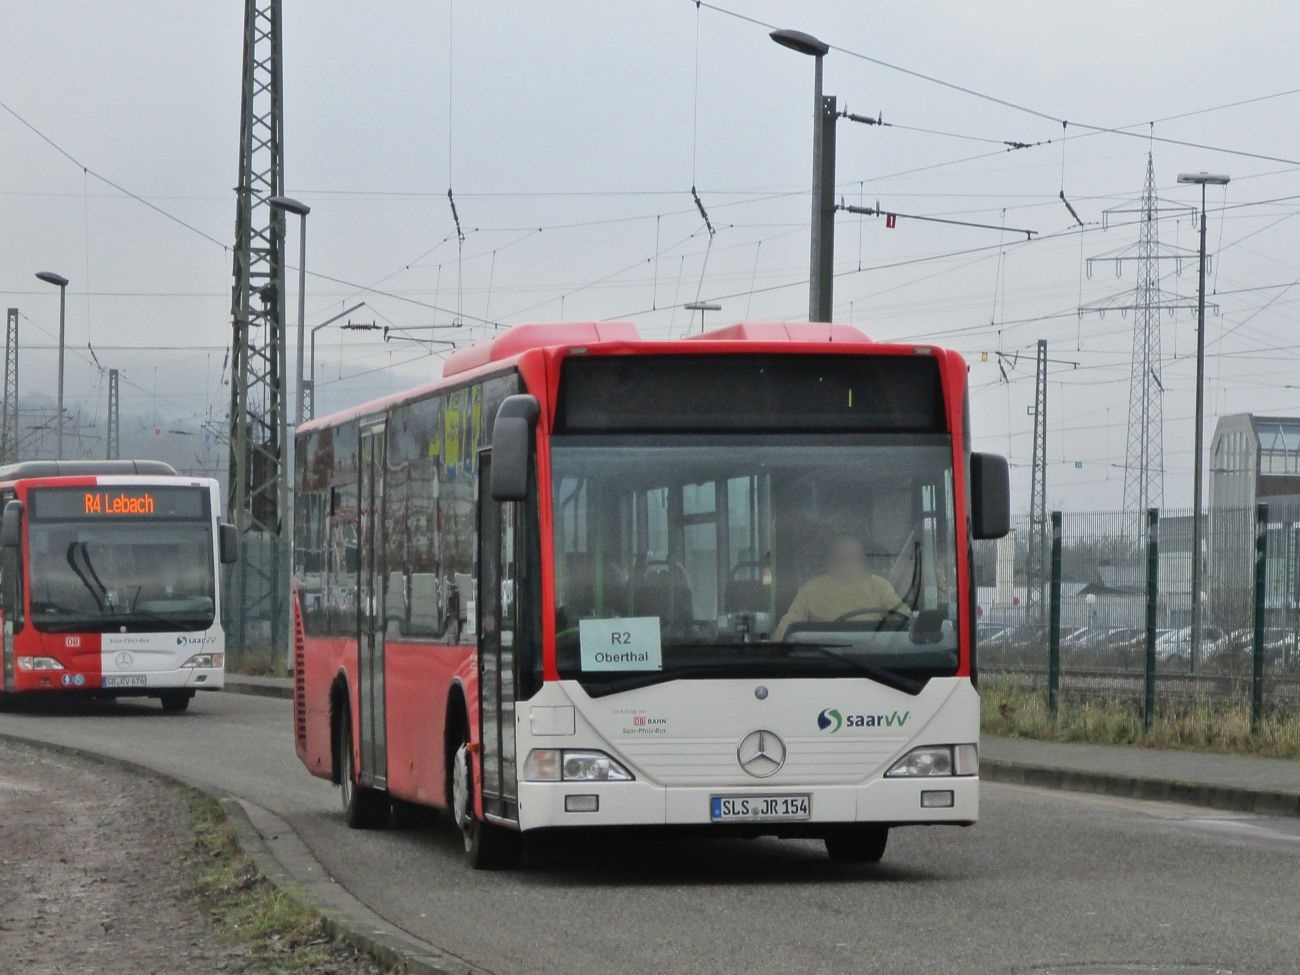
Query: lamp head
[(290, 205), (797, 40)]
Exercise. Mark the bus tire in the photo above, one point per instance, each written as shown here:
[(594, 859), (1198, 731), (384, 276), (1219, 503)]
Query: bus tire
[(362, 808), (858, 844), (174, 702), (487, 846)]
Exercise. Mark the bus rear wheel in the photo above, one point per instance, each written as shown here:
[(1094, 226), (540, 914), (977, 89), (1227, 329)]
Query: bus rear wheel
[(174, 702), (858, 844), (487, 846), (362, 808)]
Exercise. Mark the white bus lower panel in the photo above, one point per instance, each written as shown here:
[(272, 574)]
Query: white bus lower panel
[(938, 800)]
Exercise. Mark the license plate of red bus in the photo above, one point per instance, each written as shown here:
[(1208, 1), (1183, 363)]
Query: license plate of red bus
[(763, 809), (137, 681)]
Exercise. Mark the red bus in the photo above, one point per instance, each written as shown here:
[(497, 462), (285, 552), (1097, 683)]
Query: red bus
[(109, 580), (584, 580)]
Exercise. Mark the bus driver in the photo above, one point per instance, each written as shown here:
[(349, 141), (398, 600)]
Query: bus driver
[(846, 592)]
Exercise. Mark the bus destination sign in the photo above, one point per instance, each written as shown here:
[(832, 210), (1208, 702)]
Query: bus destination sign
[(143, 501), (119, 503)]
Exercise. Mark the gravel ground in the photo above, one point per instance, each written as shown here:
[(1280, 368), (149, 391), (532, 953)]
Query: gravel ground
[(94, 877)]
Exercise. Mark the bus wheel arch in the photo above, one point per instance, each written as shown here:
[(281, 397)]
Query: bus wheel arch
[(456, 733), (338, 703)]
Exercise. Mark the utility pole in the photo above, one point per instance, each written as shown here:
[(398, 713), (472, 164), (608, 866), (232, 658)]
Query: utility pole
[(9, 408), (1202, 180), (257, 498), (821, 251), (822, 286), (1036, 563), (113, 451)]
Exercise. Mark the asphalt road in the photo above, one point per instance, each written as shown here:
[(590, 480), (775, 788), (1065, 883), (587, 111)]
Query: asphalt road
[(1051, 882)]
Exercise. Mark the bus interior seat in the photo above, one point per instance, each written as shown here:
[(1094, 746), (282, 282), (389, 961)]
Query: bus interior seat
[(579, 596), (663, 591), (746, 592)]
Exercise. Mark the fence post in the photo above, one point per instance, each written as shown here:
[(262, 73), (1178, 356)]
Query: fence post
[(1257, 648), (1054, 621), (1153, 610)]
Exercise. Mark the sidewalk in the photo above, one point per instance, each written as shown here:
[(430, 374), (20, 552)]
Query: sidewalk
[(1268, 786)]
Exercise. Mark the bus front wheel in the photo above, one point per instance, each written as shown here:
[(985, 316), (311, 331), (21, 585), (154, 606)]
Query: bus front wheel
[(362, 808), (858, 844), (487, 846), (175, 701)]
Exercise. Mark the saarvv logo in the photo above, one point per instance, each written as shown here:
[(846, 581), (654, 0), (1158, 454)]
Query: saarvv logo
[(831, 720)]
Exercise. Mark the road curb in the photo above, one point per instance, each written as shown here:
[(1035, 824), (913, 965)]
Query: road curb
[(1259, 801), (383, 942), (257, 690)]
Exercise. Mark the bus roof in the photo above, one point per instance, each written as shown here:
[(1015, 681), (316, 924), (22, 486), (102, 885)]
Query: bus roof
[(83, 468)]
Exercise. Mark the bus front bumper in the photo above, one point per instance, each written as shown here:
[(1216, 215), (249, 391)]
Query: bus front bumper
[(144, 683), (951, 800)]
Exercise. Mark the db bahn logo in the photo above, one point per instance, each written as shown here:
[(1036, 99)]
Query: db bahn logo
[(72, 641), (124, 660)]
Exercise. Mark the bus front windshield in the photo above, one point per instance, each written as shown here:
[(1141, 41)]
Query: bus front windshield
[(109, 576), (754, 556)]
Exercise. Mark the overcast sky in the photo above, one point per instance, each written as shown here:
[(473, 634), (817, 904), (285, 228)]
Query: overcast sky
[(571, 134)]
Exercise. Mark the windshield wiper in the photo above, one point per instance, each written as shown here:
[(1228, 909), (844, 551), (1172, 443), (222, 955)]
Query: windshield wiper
[(146, 614), (890, 678), (659, 677)]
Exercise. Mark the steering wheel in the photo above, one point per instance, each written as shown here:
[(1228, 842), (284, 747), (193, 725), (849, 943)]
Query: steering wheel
[(901, 617)]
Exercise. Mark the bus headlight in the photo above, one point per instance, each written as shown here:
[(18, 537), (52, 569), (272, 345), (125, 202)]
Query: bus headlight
[(39, 663), (571, 765), (935, 760), (205, 660)]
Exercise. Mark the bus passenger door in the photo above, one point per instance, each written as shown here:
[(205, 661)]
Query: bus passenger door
[(371, 718), (496, 647)]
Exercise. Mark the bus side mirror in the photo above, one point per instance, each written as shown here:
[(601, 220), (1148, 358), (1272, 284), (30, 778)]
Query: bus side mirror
[(11, 527), (990, 496), (228, 543), (512, 441)]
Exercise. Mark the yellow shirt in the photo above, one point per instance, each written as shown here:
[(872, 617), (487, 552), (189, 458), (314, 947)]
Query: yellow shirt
[(824, 600)]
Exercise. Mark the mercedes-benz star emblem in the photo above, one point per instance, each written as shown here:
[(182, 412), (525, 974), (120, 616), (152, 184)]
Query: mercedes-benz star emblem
[(124, 660), (761, 753)]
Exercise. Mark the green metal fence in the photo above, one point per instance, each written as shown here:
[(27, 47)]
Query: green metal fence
[(1112, 613)]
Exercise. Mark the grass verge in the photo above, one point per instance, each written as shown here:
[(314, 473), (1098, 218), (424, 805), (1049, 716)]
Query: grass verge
[(1194, 723), (268, 929), (257, 663)]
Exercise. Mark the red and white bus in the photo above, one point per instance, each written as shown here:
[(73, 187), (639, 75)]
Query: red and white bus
[(109, 580), (721, 583)]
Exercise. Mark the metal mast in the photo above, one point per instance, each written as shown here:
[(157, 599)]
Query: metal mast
[(1144, 467), (257, 490), (1036, 562), (9, 407), (114, 417)]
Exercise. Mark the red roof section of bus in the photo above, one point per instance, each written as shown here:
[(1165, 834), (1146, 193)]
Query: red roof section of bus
[(521, 338), (783, 332)]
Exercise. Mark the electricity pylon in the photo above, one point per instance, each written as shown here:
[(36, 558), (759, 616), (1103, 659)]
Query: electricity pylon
[(257, 488)]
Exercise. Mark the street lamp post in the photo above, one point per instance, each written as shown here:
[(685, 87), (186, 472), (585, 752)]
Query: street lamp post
[(60, 282), (702, 307), (821, 257), (1203, 180), (290, 205), (309, 409)]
